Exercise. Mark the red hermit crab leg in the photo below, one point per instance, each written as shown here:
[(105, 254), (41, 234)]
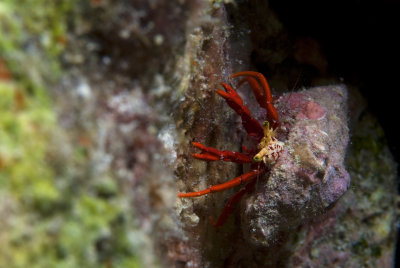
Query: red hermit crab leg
[(258, 92), (272, 114), (250, 124), (212, 154), (226, 185), (231, 203)]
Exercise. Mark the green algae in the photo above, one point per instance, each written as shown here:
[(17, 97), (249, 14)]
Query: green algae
[(33, 36), (54, 214), (46, 222)]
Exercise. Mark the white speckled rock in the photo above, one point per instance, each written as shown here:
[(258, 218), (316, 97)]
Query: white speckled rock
[(309, 176)]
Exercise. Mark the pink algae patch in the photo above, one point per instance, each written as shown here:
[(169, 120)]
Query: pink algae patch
[(305, 109), (314, 111)]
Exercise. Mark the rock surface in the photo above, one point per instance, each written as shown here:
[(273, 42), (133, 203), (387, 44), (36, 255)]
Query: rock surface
[(139, 85), (309, 176)]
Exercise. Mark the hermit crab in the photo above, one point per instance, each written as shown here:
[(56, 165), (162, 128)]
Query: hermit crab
[(260, 159)]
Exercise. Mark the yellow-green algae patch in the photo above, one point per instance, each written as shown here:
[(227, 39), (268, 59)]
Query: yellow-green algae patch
[(54, 213), (48, 219), (26, 127)]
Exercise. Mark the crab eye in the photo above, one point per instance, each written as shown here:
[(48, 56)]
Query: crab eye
[(257, 158), (266, 124)]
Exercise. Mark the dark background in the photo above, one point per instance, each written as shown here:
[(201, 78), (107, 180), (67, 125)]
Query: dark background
[(360, 41)]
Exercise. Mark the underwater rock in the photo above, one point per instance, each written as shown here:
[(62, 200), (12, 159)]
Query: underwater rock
[(309, 176)]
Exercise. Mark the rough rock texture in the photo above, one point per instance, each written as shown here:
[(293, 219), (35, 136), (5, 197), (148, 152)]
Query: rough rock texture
[(307, 179), (309, 176), (139, 87), (145, 126), (360, 229)]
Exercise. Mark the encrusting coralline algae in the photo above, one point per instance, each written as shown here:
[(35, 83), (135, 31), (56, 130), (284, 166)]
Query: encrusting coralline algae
[(309, 177)]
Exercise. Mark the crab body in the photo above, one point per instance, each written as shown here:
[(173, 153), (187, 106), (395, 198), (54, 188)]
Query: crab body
[(270, 153), (268, 145)]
